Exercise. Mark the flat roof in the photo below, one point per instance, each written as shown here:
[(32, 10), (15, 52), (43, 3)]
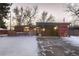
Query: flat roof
[(53, 23), (44, 24)]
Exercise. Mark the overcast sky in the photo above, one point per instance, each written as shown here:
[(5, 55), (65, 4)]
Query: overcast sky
[(58, 10)]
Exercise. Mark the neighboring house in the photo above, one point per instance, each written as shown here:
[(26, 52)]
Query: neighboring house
[(74, 31), (3, 31), (53, 29)]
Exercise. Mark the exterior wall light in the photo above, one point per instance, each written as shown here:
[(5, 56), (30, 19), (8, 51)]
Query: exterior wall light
[(26, 29), (55, 28), (68, 26), (43, 29), (35, 29)]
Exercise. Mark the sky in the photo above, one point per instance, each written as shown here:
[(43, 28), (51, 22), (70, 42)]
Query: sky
[(58, 10)]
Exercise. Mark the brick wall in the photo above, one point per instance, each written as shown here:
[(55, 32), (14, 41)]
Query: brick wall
[(3, 32)]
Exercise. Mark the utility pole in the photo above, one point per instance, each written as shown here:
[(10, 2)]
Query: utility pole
[(64, 20), (10, 20)]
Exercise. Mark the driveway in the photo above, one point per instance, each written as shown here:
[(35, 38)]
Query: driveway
[(55, 46)]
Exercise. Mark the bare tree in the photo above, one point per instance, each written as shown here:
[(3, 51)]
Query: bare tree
[(46, 18), (27, 14), (74, 10), (30, 14), (19, 15)]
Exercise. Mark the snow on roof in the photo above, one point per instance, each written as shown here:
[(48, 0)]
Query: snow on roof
[(2, 29)]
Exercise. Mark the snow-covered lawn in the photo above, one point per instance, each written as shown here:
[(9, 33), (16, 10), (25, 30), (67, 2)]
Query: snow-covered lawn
[(73, 40), (19, 45)]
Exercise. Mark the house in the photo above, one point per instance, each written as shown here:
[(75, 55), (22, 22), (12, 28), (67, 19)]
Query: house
[(53, 29), (44, 29), (3, 31), (74, 31)]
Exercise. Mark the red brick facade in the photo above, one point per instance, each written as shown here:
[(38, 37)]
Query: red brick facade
[(63, 29)]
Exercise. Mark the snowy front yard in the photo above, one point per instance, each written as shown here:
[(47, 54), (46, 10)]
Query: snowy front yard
[(18, 45), (28, 46), (73, 40)]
